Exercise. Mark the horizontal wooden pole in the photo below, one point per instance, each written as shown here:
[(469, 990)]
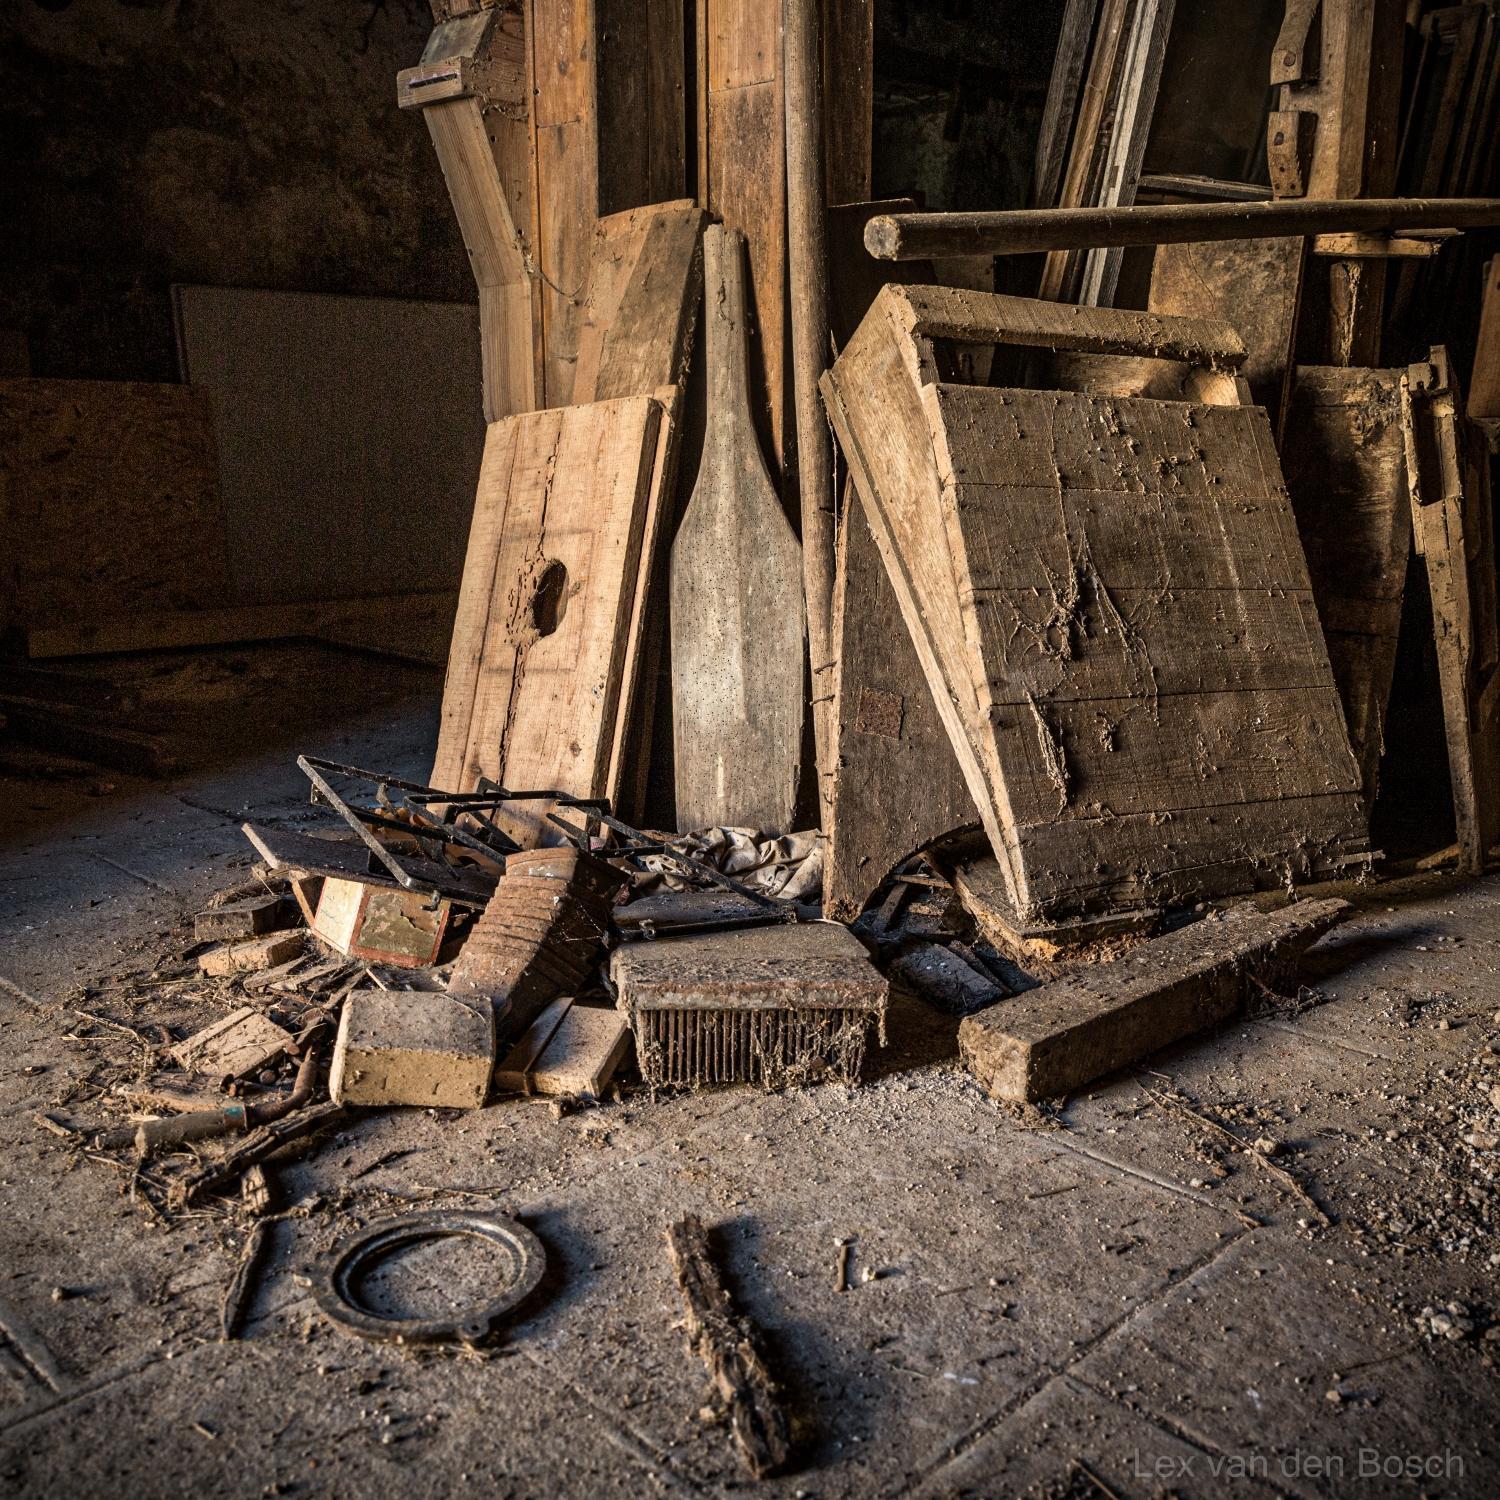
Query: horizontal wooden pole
[(1024, 231)]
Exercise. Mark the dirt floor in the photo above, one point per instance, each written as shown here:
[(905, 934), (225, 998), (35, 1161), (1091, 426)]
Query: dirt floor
[(1121, 1297)]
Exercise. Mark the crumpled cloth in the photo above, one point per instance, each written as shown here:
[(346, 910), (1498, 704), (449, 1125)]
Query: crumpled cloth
[(789, 867)]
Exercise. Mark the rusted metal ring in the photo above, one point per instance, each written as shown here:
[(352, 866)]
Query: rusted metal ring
[(337, 1291)]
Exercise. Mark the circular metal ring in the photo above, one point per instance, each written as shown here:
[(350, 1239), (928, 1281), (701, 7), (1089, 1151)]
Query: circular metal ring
[(337, 1293)]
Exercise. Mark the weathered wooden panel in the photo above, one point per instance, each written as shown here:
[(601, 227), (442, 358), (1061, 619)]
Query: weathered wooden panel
[(1147, 535)]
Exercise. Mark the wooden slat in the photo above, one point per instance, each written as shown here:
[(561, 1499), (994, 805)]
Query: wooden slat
[(1064, 1035)]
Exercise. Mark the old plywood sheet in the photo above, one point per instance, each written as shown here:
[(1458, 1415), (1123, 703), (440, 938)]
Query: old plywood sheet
[(1345, 467), (109, 499), (349, 433), (1111, 606), (545, 609)]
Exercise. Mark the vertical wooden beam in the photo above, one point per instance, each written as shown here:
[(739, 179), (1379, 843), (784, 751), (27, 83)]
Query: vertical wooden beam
[(1340, 63)]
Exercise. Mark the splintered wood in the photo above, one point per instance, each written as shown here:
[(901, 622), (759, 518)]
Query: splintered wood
[(1111, 606), (726, 1344)]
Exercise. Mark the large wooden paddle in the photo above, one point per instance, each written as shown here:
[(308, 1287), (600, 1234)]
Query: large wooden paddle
[(737, 615)]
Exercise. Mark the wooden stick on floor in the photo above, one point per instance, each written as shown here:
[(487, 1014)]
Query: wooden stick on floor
[(724, 1342)]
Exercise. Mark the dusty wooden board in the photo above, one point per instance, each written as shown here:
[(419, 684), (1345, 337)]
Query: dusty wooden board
[(1345, 464), (110, 502), (738, 659), (240, 1043), (565, 154), (897, 785), (1112, 608), (550, 579), (1064, 1035), (642, 104), (1453, 526), (513, 1071), (645, 285), (365, 489), (742, 158), (1253, 285)]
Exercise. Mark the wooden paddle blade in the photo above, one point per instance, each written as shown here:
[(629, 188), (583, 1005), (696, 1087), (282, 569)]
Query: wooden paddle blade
[(737, 604)]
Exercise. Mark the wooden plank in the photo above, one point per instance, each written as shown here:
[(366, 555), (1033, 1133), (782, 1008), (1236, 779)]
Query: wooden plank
[(1061, 106), (738, 657), (742, 179), (549, 587), (1121, 164), (1345, 464), (109, 493), (1091, 136), (849, 98), (642, 105), (1253, 285), (1062, 1036), (392, 618), (582, 1054), (1453, 525), (513, 1071)]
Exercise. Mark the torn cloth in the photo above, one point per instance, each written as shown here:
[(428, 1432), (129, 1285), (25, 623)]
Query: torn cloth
[(789, 867)]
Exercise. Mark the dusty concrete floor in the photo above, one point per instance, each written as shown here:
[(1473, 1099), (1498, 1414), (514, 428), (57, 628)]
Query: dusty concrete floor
[(1102, 1302)]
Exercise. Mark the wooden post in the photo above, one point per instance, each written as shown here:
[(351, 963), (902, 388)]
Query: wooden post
[(808, 254)]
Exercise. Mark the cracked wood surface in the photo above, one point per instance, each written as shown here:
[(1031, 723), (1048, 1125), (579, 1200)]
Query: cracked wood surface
[(1112, 607), (539, 646)]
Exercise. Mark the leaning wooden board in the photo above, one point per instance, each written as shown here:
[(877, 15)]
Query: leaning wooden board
[(1111, 605), (1453, 527), (546, 602), (1345, 465)]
